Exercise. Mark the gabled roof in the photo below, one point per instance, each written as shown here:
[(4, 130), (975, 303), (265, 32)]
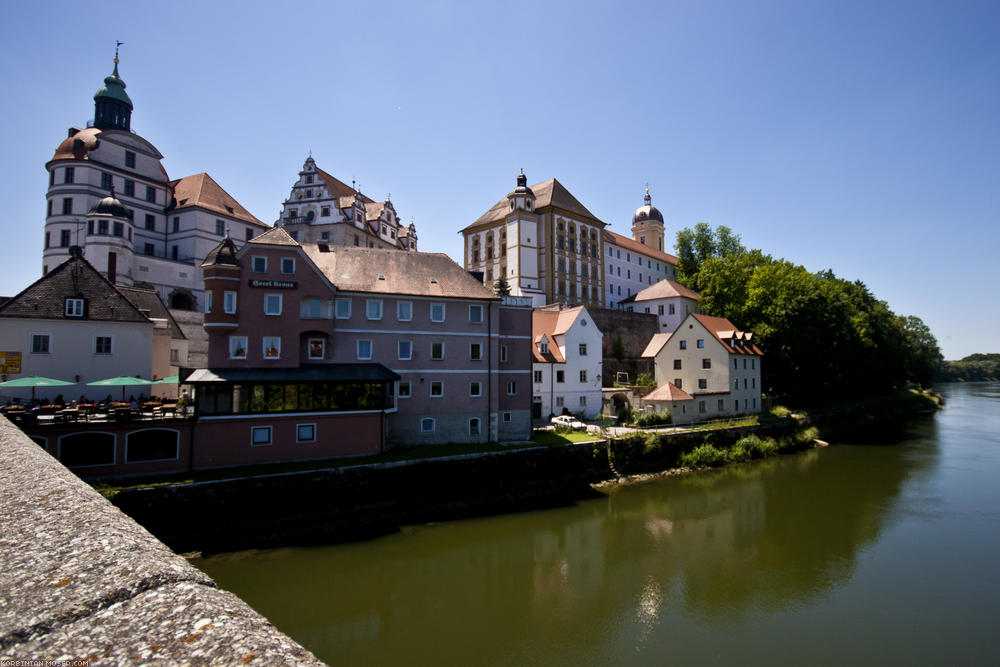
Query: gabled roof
[(373, 210), (75, 278), (664, 289), (655, 344), (547, 193), (668, 392), (551, 323), (274, 236), (148, 301), (554, 354), (734, 340), (636, 247), (202, 191), (389, 271), (337, 188)]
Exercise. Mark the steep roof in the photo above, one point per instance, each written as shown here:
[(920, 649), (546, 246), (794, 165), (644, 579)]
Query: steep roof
[(668, 392), (547, 193), (655, 344), (664, 289), (389, 271), (337, 188), (202, 191), (635, 246), (224, 253), (75, 278), (734, 340), (148, 302), (551, 323)]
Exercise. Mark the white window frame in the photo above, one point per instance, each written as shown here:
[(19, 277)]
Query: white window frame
[(111, 344), (344, 301), (264, 340), (503, 354), (409, 350), (268, 302), (322, 348), (475, 389), (290, 261), (371, 349), (208, 301), (440, 384), (373, 304), (253, 264), (399, 311), (234, 343), (427, 425), (437, 342), (261, 436), (475, 346), (476, 307), (399, 389), (538, 376), (434, 305), (74, 308), (298, 432), (229, 302), (512, 388), (583, 349)]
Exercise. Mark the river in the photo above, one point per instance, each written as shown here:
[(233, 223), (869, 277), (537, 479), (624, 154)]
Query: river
[(874, 553)]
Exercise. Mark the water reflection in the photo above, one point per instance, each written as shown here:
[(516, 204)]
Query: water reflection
[(630, 578)]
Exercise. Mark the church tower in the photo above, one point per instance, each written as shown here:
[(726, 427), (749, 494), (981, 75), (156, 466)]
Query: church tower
[(647, 224), (518, 244)]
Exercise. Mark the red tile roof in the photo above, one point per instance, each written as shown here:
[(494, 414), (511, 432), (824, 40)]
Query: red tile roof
[(635, 246), (664, 289), (668, 392), (734, 340), (202, 191)]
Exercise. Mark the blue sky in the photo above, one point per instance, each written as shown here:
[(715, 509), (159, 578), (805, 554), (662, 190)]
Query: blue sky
[(863, 137)]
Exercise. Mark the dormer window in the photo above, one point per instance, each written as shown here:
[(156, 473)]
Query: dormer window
[(74, 307), (543, 346)]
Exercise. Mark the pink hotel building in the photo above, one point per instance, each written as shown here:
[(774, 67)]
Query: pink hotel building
[(318, 350)]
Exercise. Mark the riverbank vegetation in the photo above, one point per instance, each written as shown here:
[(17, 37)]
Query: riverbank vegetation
[(975, 367), (824, 337)]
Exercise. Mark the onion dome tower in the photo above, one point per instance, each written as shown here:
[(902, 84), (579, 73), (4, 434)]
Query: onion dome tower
[(112, 106), (647, 224), (521, 197), (109, 245)]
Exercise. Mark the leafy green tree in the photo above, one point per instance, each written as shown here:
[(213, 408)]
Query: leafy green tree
[(695, 246)]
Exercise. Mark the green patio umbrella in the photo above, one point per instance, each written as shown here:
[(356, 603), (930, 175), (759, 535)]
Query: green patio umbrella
[(170, 379), (123, 380), (35, 381)]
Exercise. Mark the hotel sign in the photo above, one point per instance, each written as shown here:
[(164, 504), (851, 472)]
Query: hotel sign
[(273, 284), (10, 362)]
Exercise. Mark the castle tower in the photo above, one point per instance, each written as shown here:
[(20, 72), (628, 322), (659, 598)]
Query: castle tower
[(647, 224), (112, 106), (517, 249), (109, 245)]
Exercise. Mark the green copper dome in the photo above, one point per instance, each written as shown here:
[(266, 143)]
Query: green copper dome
[(114, 88)]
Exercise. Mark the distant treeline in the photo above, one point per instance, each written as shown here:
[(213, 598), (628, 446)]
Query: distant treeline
[(972, 367), (824, 338)]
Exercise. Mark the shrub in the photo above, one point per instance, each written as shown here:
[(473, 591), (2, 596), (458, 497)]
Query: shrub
[(653, 419), (651, 444), (737, 453), (780, 411), (562, 429), (625, 416), (703, 455), (645, 380)]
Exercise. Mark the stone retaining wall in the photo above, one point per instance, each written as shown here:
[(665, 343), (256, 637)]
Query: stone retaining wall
[(82, 581)]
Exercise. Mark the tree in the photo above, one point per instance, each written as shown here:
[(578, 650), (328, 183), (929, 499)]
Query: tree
[(695, 246), (501, 287)]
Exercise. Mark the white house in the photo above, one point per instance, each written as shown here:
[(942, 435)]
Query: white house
[(568, 360), (670, 301), (74, 325), (711, 361)]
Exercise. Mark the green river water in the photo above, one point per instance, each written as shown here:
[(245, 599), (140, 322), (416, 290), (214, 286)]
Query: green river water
[(886, 552)]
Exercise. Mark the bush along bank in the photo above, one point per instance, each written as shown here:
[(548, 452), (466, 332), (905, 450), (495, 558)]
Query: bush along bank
[(362, 501), (776, 433)]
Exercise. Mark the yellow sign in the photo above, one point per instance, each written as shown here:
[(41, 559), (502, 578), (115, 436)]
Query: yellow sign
[(10, 362)]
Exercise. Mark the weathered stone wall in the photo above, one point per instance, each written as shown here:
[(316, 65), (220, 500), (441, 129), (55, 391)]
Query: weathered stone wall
[(634, 330), (82, 581)]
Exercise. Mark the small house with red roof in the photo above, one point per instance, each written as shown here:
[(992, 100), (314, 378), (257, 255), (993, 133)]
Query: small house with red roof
[(567, 362), (705, 369), (670, 301)]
